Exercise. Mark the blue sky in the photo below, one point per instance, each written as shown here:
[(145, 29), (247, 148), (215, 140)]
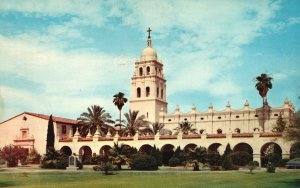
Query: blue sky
[(59, 57)]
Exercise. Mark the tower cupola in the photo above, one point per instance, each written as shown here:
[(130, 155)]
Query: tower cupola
[(149, 53)]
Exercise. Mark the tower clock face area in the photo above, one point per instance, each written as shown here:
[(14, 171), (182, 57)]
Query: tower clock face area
[(148, 87)]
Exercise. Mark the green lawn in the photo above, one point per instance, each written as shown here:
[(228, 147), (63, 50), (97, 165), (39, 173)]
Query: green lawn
[(156, 179)]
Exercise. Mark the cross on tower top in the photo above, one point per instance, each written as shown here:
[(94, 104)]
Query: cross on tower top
[(149, 30)]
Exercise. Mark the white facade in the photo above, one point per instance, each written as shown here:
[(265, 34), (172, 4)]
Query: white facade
[(29, 130)]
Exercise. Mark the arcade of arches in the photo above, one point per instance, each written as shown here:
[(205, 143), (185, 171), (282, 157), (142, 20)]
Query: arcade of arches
[(86, 152)]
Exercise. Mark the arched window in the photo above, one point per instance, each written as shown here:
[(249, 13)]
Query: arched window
[(162, 93), (148, 70), (157, 92), (141, 71), (147, 91), (219, 131), (138, 92)]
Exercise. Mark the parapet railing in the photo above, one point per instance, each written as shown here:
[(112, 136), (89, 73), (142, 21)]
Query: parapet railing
[(116, 138)]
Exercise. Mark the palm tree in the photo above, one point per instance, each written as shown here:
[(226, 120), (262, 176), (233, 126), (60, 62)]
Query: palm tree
[(264, 83), (119, 100), (155, 128), (94, 117), (121, 154), (185, 127), (134, 122)]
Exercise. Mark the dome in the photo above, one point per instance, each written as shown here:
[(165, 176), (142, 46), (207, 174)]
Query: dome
[(148, 54)]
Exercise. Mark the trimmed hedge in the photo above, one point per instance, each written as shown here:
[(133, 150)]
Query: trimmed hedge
[(143, 162), (174, 161)]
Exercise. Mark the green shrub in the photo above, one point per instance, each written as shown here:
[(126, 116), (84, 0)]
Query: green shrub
[(270, 168), (105, 167), (227, 163), (282, 162), (34, 157), (252, 165), (2, 161), (62, 162), (143, 162), (240, 158), (96, 160), (12, 154), (215, 168), (174, 161), (54, 160), (214, 159), (156, 153)]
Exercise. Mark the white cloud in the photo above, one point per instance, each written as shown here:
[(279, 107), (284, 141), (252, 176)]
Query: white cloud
[(57, 105), (87, 12), (64, 76)]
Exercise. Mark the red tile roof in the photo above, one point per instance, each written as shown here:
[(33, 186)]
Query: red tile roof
[(46, 117)]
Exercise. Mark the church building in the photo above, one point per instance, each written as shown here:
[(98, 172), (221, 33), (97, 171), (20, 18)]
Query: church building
[(245, 129)]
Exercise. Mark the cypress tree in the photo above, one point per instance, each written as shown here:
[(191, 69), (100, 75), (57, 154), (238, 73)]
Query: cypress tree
[(50, 135), (228, 150)]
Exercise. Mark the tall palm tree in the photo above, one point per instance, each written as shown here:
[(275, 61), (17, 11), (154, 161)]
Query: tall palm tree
[(263, 84), (94, 117), (185, 127), (119, 100), (134, 122), (155, 128)]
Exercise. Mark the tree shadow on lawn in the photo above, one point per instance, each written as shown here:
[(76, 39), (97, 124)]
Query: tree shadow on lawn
[(294, 182), (7, 184)]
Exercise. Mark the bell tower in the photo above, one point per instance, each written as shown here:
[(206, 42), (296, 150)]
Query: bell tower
[(148, 86)]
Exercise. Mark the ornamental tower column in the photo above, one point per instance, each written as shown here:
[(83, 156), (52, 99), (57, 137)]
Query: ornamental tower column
[(148, 86)]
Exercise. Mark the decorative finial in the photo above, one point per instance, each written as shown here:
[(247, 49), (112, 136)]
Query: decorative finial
[(149, 38), (286, 101), (228, 104), (193, 107), (149, 30), (246, 103)]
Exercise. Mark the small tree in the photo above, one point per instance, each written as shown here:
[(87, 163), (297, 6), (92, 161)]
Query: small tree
[(271, 158), (50, 134), (280, 124), (12, 154), (252, 165)]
